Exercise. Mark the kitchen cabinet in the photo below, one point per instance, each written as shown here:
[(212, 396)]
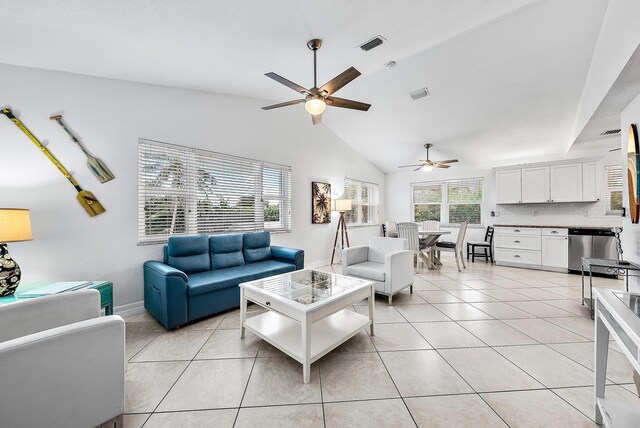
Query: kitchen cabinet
[(566, 182), (555, 251), (509, 186), (514, 245), (535, 184), (591, 172)]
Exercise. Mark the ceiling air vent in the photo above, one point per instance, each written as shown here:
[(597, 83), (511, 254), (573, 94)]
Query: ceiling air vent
[(373, 43), (420, 93), (610, 132)]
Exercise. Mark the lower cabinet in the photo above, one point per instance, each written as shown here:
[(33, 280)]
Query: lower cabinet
[(555, 251), (532, 247)]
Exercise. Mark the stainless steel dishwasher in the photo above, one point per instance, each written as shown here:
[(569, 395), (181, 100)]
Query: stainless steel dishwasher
[(593, 243)]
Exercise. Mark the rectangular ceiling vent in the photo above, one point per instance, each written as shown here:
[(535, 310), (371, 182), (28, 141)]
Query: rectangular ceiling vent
[(420, 93), (373, 43), (610, 132)]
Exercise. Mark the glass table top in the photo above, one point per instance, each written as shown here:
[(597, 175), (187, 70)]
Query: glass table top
[(632, 301), (306, 286)]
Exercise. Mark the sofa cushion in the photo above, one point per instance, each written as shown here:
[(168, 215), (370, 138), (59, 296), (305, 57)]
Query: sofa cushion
[(257, 246), (190, 254), (369, 270), (206, 282), (226, 251)]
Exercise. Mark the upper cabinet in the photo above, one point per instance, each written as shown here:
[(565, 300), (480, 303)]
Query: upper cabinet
[(535, 184), (566, 182), (508, 187), (551, 182), (591, 172)]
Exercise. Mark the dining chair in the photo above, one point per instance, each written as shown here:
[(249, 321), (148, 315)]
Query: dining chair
[(485, 245), (409, 231), (454, 247), (431, 225)]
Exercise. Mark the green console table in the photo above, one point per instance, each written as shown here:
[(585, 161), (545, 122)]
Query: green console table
[(104, 287)]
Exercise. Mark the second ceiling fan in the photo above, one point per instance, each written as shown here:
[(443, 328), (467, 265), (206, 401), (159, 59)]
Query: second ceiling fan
[(317, 99), (428, 164)]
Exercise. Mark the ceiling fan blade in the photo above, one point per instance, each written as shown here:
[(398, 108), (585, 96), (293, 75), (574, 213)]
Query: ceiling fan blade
[(316, 118), (441, 166), (408, 166), (344, 103), (288, 103), (340, 81), (417, 169), (448, 161), (287, 82)]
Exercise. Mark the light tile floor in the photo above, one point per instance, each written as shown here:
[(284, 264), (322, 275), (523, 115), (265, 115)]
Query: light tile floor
[(491, 346)]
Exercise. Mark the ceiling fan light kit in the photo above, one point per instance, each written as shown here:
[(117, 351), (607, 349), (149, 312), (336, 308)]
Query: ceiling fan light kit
[(316, 99)]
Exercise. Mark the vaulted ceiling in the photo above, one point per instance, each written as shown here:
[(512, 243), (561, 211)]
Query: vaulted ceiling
[(505, 76)]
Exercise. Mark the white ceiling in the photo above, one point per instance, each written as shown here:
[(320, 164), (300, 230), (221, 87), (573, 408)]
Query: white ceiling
[(505, 75)]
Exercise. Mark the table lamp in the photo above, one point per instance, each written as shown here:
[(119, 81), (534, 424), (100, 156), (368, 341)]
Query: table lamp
[(342, 206), (14, 227)]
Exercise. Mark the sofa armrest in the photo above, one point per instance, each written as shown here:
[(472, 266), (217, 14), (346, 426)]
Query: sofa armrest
[(165, 293), (25, 316), (69, 376), (398, 270), (288, 255), (354, 255)]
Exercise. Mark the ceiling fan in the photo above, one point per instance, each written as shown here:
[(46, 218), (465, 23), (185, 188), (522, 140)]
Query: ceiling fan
[(428, 165), (316, 99)]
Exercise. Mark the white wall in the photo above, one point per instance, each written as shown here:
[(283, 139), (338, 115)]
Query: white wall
[(110, 116), (630, 232)]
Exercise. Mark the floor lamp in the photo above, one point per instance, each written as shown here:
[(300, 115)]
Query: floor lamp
[(342, 206)]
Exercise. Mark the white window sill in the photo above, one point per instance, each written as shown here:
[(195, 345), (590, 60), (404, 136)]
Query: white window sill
[(360, 226)]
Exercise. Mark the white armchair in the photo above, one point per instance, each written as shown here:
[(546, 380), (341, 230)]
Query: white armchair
[(61, 364), (386, 261)]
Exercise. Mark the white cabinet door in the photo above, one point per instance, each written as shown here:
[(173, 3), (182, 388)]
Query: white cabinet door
[(591, 172), (566, 182), (535, 184), (508, 186), (555, 251)]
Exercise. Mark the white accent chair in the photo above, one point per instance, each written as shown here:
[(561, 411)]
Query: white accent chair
[(454, 247), (386, 261), (61, 363)]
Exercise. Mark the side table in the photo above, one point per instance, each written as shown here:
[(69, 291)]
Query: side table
[(104, 287), (613, 267)]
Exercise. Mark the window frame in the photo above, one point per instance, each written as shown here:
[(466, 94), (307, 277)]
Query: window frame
[(445, 203), (357, 204), (193, 162)]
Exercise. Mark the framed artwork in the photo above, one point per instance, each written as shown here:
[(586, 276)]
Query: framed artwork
[(632, 173), (320, 202)]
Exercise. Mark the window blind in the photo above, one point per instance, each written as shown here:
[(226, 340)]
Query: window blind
[(184, 191), (450, 202), (365, 201), (613, 190)]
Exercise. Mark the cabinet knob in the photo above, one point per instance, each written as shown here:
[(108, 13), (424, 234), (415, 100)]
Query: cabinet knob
[(516, 256), (516, 242), (516, 230), (268, 303), (554, 231)]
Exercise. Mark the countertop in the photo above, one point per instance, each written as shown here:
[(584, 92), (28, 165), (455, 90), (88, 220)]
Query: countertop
[(547, 226)]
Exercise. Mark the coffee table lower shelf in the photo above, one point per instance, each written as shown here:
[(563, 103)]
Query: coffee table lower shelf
[(625, 416), (326, 334)]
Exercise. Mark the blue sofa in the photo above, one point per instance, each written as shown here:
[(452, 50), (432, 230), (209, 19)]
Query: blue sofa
[(200, 274)]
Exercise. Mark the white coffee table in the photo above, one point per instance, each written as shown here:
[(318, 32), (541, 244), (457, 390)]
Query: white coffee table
[(306, 316)]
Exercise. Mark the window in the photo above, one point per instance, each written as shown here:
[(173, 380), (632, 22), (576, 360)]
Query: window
[(183, 191), (449, 202), (364, 202), (613, 191)]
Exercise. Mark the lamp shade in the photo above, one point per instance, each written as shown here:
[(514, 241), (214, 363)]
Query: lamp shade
[(343, 205), (15, 225)]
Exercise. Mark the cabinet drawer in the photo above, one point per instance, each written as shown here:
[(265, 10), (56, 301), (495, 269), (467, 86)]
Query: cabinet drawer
[(272, 304), (517, 231), (518, 256), (555, 232), (524, 242)]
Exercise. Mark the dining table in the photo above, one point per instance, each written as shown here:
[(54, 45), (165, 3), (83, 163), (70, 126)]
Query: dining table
[(428, 239)]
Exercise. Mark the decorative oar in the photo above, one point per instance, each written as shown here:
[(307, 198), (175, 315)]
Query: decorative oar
[(86, 198), (96, 166)]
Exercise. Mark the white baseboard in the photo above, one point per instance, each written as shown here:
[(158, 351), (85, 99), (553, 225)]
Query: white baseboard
[(129, 309), (318, 264)]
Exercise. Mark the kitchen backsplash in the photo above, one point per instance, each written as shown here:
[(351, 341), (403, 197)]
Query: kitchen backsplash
[(570, 214)]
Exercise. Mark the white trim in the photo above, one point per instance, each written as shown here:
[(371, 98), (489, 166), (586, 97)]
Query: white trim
[(318, 264), (129, 308), (548, 163)]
